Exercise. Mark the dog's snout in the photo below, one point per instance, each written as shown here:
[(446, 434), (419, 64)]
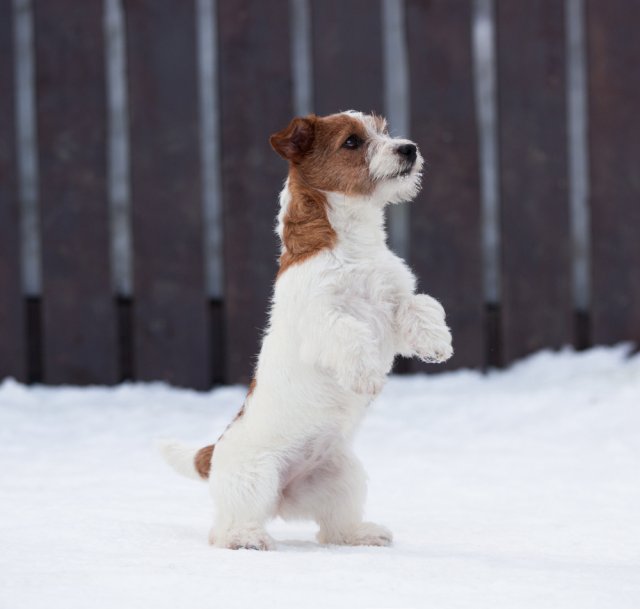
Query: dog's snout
[(408, 151)]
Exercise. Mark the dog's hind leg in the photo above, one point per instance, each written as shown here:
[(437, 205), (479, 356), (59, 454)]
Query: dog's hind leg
[(245, 497), (334, 495)]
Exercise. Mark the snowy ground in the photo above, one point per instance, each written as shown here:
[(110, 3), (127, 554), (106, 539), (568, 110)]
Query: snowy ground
[(517, 489)]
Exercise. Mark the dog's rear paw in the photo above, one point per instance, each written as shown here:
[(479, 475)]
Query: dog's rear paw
[(243, 539), (371, 534), (365, 534)]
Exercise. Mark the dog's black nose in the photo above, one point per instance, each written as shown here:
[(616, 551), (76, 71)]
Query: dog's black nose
[(409, 151)]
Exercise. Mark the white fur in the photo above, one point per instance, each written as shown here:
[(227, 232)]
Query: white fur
[(337, 321)]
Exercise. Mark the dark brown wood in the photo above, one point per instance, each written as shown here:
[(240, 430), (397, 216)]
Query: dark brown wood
[(12, 326), (614, 137), (347, 56), (536, 241), (79, 322), (171, 329), (255, 96), (445, 246)]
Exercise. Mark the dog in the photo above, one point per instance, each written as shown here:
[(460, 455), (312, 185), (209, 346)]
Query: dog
[(343, 307)]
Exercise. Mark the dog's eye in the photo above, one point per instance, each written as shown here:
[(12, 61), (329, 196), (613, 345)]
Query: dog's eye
[(352, 142)]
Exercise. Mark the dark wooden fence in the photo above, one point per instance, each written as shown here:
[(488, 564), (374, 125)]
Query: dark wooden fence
[(78, 329)]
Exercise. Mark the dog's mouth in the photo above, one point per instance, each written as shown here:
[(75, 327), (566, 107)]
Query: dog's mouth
[(404, 172)]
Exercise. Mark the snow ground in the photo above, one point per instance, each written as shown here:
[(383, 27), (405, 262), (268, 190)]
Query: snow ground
[(517, 489)]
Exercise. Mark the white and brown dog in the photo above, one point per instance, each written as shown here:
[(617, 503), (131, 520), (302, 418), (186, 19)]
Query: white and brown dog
[(343, 306)]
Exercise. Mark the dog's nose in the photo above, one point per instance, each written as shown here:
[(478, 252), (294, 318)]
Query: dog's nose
[(409, 151)]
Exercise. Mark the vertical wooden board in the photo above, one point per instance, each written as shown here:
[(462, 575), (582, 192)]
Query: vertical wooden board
[(78, 305), (347, 56), (536, 241), (445, 236), (614, 138), (12, 326), (255, 97), (171, 328)]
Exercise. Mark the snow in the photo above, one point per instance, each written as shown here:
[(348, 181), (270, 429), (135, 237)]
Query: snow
[(516, 489)]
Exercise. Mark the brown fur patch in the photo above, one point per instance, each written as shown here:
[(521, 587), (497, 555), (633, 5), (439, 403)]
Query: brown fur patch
[(307, 229), (252, 386), (202, 461), (314, 146), (331, 167)]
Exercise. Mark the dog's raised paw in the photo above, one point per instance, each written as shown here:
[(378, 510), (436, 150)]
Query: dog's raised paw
[(439, 348)]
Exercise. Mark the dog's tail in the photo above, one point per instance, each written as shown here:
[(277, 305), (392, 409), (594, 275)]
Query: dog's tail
[(190, 462)]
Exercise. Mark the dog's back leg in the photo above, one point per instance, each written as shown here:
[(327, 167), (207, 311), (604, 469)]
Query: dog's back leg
[(246, 494), (333, 495)]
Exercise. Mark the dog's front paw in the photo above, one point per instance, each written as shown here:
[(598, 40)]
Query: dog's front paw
[(437, 347), (422, 320)]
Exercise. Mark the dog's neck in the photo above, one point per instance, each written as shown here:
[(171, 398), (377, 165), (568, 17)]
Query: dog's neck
[(358, 222)]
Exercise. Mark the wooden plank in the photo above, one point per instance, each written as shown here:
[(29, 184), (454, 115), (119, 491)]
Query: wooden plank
[(347, 56), (614, 138), (171, 328), (445, 237), (536, 240), (78, 305), (12, 325), (255, 95)]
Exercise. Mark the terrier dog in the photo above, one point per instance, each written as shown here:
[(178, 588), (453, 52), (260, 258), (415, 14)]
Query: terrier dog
[(343, 307)]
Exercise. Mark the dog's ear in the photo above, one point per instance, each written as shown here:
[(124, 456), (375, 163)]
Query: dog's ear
[(296, 140)]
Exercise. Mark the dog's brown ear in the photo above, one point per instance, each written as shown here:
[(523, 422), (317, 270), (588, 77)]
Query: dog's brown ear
[(296, 140)]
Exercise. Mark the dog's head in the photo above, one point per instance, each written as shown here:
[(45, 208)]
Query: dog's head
[(351, 153)]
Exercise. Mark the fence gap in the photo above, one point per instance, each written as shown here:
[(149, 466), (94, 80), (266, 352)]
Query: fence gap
[(578, 168), (206, 27), (27, 151), (118, 149), (301, 64), (486, 112), (578, 151), (396, 105)]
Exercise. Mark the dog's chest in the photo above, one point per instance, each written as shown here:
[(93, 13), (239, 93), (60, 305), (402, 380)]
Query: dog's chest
[(371, 289)]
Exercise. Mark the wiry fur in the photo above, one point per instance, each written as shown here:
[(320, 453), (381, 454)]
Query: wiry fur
[(343, 307)]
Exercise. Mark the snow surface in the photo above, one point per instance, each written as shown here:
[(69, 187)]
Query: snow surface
[(515, 489)]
